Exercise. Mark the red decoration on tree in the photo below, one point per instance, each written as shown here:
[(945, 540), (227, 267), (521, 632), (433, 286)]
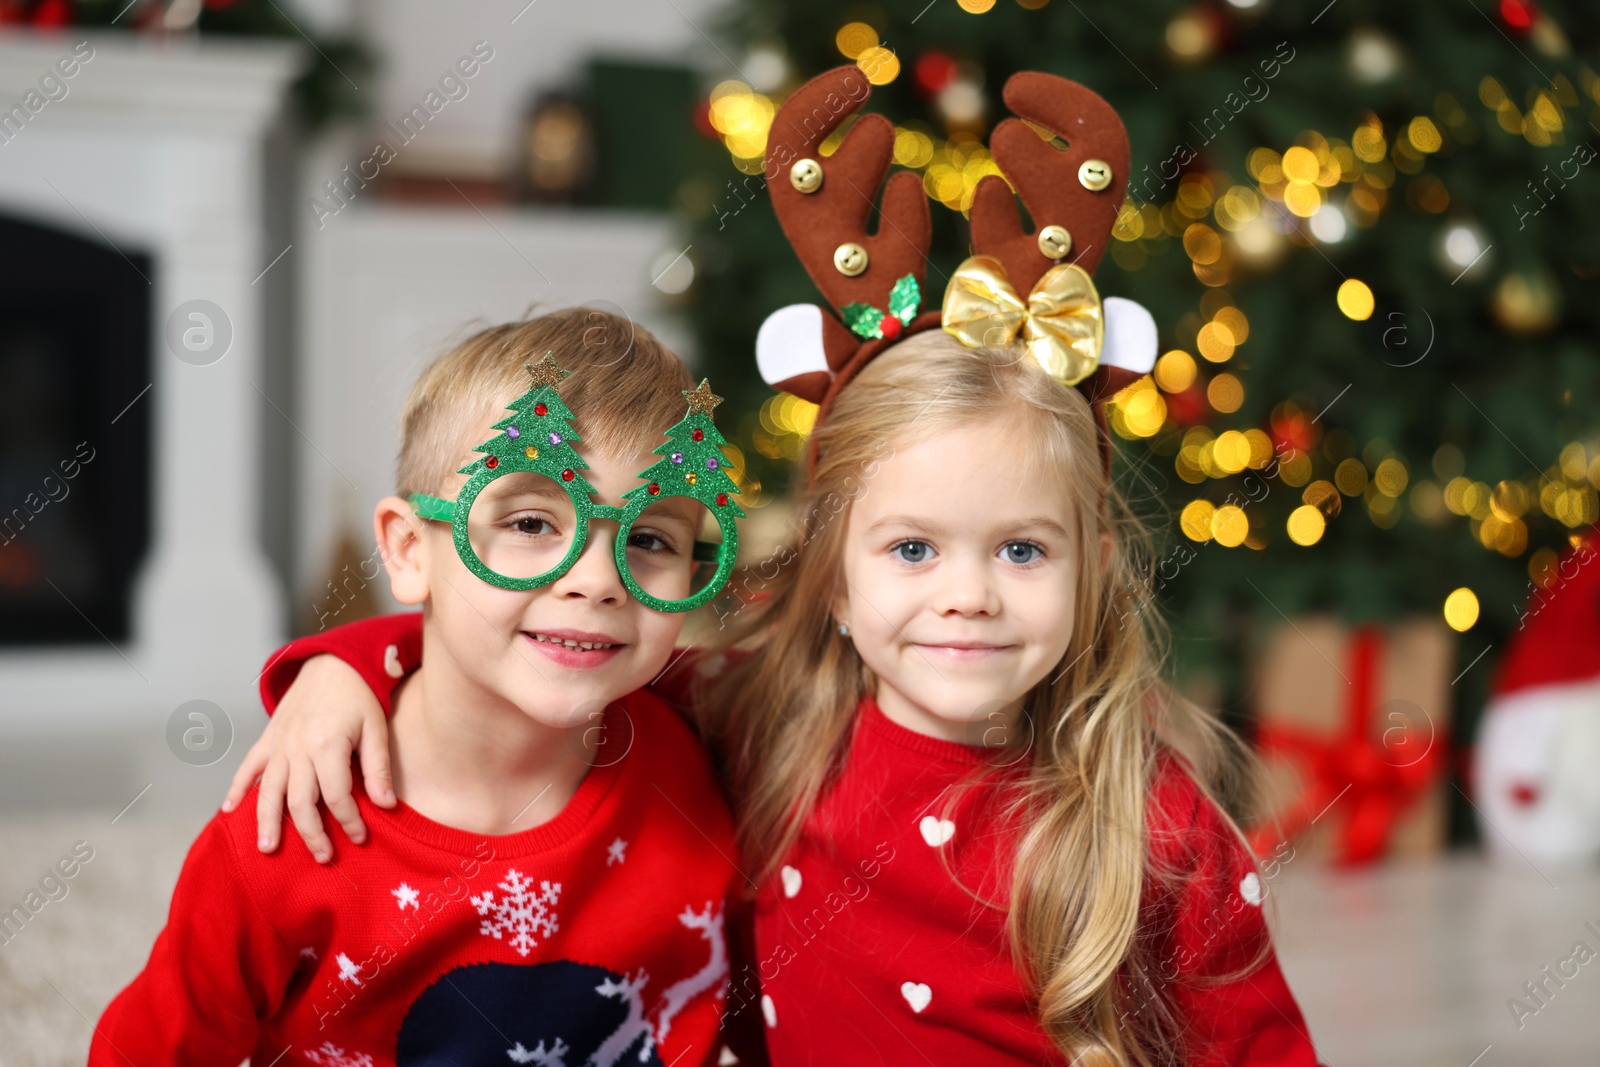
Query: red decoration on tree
[(1294, 429), (1189, 406), (52, 13), (1518, 15), (934, 71), (541, 409), (702, 120), (491, 462), (654, 490), (722, 500), (698, 435), (567, 475)]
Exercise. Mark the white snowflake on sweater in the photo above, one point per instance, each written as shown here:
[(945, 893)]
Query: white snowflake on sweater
[(522, 913), (406, 897), (349, 970), (331, 1055), (554, 1056)]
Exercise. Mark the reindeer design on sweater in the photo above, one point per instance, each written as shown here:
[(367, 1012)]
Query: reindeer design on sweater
[(709, 922), (576, 1019)]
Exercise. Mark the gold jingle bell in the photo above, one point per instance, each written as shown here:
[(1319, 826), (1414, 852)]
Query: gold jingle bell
[(850, 259), (1055, 242), (806, 175), (1094, 174)]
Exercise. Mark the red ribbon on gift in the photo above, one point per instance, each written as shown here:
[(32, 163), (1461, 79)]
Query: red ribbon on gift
[(1373, 781)]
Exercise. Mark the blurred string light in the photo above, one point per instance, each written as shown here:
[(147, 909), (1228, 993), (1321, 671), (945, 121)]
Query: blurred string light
[(743, 117), (854, 38), (1373, 55), (673, 272), (1542, 117), (785, 422), (767, 67), (1355, 299), (1461, 609), (1462, 250)]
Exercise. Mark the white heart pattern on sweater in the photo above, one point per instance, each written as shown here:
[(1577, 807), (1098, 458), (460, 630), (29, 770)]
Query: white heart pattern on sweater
[(1250, 888), (936, 831), (917, 994), (791, 881)]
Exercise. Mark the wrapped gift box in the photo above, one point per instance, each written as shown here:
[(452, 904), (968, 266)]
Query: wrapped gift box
[(1353, 726)]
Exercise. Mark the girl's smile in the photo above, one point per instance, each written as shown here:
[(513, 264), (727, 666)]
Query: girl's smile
[(959, 585)]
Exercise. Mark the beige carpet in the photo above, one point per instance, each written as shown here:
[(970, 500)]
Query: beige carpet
[(1404, 966)]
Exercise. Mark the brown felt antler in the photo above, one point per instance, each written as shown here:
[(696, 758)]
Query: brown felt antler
[(1057, 187), (835, 213), (824, 205), (1051, 181)]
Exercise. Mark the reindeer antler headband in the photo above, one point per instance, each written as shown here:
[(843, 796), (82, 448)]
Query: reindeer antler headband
[(1032, 287)]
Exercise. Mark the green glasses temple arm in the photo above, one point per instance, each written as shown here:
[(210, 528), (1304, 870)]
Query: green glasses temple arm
[(441, 510), (432, 507)]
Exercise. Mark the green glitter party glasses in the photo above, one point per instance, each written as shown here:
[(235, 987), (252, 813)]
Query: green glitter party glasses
[(522, 520)]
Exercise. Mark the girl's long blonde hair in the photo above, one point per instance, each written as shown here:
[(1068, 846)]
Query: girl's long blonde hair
[(782, 717)]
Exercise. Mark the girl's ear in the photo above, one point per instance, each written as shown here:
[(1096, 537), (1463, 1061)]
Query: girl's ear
[(402, 548)]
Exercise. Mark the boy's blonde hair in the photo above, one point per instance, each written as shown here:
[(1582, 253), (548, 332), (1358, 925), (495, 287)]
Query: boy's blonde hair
[(784, 715), (625, 390)]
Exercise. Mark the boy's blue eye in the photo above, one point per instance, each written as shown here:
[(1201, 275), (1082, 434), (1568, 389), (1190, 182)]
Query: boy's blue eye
[(1021, 552), (912, 551)]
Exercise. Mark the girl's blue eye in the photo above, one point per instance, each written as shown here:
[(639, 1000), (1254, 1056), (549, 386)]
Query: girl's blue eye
[(912, 551), (1021, 552)]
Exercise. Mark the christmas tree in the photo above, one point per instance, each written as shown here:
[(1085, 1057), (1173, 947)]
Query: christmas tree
[(1363, 228), (538, 434), (692, 461)]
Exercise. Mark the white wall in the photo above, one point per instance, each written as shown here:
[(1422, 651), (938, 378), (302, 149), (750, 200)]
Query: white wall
[(545, 47)]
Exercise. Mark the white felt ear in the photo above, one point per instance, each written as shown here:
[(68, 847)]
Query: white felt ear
[(789, 344), (1130, 340)]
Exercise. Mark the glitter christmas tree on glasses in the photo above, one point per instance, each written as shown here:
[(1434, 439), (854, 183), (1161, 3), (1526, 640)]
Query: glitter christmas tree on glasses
[(522, 520)]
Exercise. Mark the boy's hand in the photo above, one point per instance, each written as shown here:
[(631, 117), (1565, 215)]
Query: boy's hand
[(306, 751)]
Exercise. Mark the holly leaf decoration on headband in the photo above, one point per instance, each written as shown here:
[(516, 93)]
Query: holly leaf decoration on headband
[(867, 321)]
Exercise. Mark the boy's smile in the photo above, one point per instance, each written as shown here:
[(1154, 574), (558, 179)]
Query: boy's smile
[(556, 654)]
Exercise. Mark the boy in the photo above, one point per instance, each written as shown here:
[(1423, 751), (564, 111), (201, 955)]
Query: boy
[(549, 887)]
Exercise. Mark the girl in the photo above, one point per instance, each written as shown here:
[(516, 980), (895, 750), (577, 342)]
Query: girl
[(959, 790)]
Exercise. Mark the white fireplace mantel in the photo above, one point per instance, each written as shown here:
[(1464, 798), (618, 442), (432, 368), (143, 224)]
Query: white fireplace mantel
[(160, 146)]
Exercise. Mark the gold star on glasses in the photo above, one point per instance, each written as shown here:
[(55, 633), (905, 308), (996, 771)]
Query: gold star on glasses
[(545, 372), (701, 399)]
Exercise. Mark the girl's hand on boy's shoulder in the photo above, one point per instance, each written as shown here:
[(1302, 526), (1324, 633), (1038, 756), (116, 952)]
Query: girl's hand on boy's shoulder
[(305, 753)]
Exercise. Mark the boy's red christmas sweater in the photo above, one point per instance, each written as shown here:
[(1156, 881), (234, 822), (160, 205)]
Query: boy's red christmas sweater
[(865, 949), (598, 937)]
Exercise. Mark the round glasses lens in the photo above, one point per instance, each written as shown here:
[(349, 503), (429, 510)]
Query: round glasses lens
[(672, 548), (521, 525)]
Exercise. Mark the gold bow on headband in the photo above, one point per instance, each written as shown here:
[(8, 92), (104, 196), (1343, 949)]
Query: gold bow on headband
[(1062, 324)]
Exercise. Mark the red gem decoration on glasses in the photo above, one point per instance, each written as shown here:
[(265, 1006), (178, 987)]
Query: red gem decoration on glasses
[(567, 475), (541, 409), (492, 462), (654, 490), (698, 435), (722, 500)]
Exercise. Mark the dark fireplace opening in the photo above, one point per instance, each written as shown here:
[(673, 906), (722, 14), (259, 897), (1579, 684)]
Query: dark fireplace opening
[(75, 478)]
